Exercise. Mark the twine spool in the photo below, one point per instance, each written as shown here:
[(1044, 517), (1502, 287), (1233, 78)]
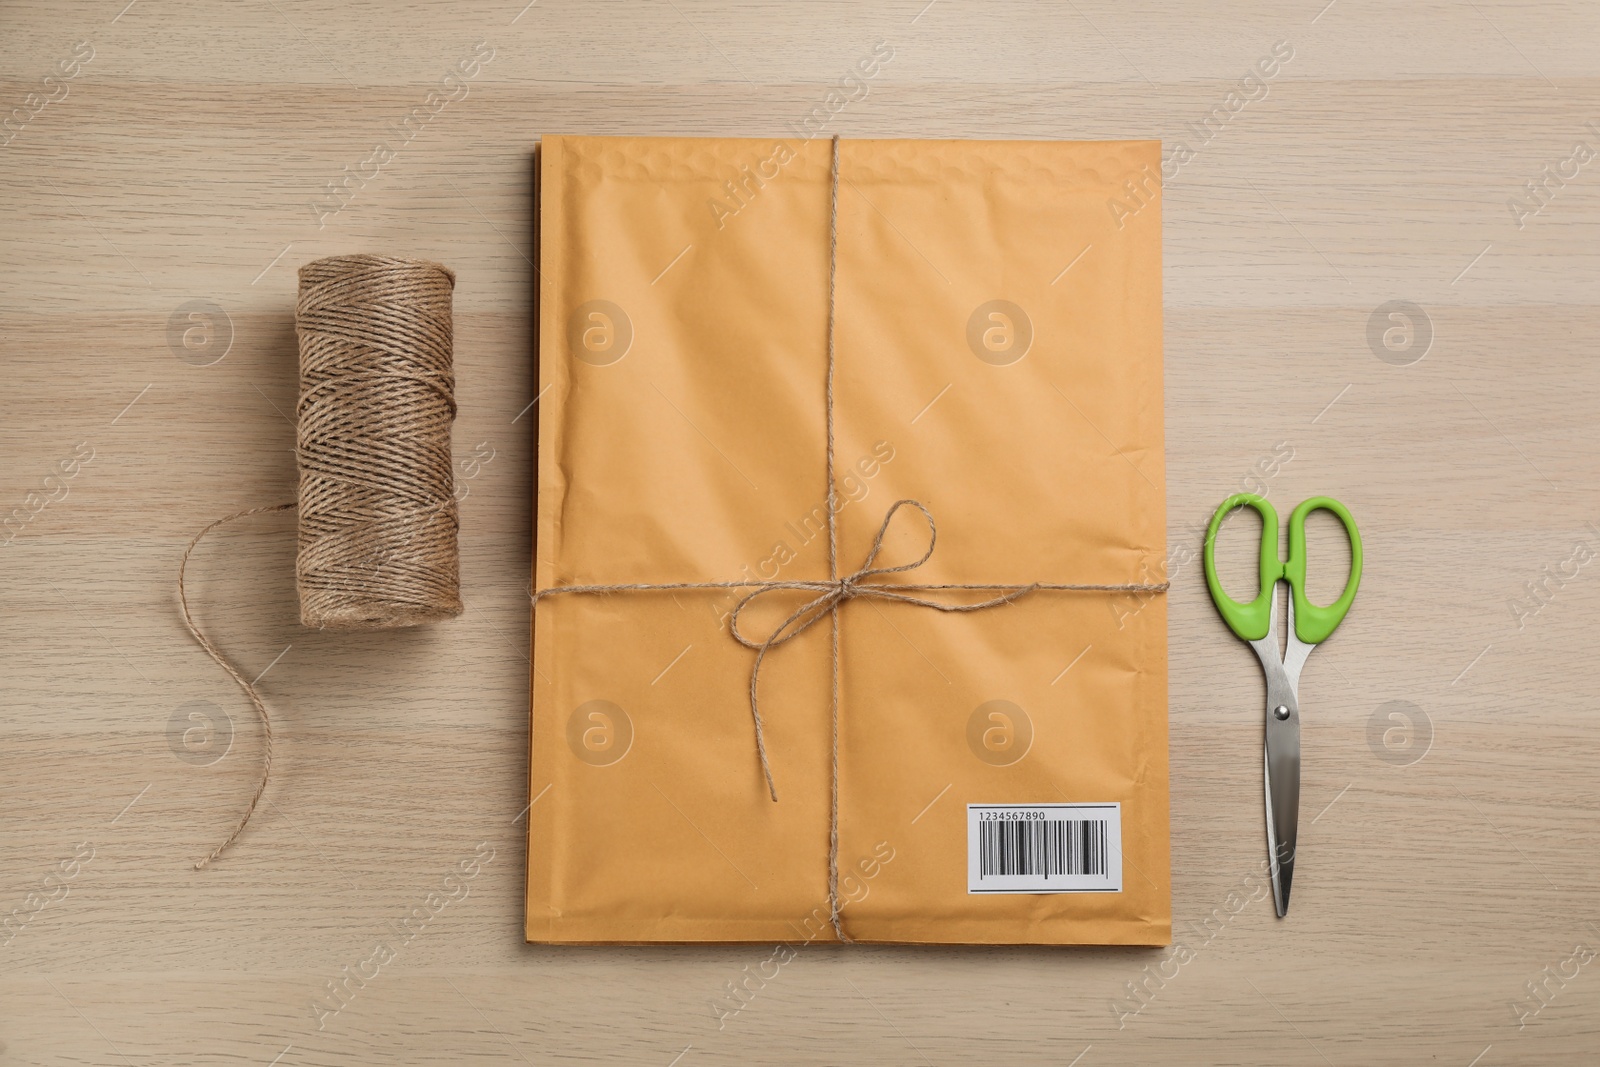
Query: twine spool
[(378, 518)]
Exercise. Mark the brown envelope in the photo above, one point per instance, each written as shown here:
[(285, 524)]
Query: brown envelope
[(998, 358)]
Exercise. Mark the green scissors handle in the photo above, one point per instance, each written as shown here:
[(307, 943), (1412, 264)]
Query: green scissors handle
[(1312, 624)]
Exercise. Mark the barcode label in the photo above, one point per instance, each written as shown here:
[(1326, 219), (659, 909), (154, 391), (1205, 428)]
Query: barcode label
[(1044, 848)]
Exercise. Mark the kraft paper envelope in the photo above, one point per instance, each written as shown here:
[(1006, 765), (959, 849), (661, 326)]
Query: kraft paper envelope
[(998, 359)]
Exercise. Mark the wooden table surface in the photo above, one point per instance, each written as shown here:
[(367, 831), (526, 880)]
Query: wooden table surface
[(162, 180)]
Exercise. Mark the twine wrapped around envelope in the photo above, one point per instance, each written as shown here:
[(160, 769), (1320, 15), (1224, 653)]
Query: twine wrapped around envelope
[(837, 590)]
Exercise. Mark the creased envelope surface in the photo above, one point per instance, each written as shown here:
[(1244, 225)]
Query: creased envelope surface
[(998, 358)]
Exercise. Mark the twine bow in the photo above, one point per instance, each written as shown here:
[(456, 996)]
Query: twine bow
[(830, 594)]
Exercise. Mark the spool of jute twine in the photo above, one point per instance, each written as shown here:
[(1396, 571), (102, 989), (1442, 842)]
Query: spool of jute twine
[(378, 518)]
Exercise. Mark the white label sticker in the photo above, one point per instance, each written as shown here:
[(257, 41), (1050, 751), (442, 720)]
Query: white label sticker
[(1044, 848)]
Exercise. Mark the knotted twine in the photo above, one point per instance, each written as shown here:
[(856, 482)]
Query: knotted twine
[(836, 590), (378, 513)]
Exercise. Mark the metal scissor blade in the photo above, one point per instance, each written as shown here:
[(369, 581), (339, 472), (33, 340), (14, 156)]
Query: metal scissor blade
[(1283, 807), (1281, 759)]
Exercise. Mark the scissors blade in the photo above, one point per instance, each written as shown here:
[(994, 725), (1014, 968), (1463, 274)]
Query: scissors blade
[(1281, 758)]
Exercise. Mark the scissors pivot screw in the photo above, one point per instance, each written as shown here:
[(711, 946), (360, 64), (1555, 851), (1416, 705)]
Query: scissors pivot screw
[(1280, 712)]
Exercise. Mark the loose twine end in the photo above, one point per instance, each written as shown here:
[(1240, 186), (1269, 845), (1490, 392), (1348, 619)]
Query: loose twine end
[(222, 661)]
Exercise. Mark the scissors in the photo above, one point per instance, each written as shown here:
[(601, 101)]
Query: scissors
[(1256, 623)]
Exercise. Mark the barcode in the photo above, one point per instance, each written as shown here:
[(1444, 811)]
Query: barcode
[(1044, 848), (1056, 847)]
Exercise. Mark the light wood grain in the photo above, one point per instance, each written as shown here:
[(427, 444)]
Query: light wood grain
[(182, 165)]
